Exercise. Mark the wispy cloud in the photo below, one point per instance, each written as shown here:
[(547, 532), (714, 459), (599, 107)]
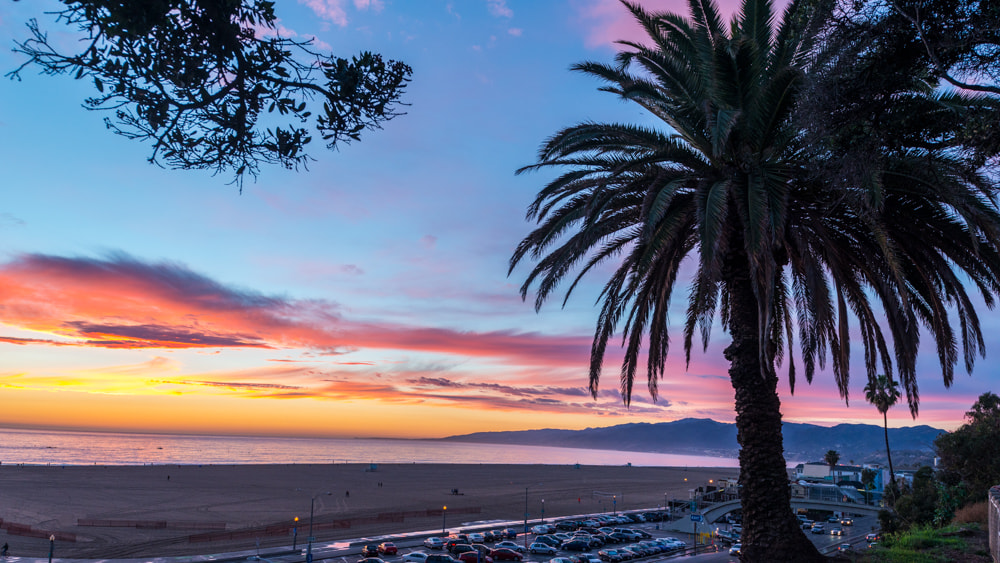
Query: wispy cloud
[(499, 8)]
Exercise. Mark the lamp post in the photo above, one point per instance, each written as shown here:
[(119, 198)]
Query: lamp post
[(543, 511), (444, 516), (295, 533), (526, 513), (614, 505), (312, 513), (52, 545)]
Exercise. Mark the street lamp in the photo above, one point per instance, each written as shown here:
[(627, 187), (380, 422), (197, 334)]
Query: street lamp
[(526, 513), (295, 533), (444, 515), (52, 545), (543, 511), (312, 506), (614, 505)]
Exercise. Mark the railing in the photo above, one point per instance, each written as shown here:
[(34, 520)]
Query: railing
[(994, 509)]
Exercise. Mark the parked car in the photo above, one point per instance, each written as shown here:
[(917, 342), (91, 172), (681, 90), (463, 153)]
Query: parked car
[(460, 548), (474, 557), (508, 545), (504, 554), (369, 550), (735, 550), (567, 525), (609, 555), (560, 560), (540, 529), (434, 543), (576, 545), (387, 548), (440, 558), (509, 533), (540, 547), (371, 560), (476, 538), (415, 557), (549, 540)]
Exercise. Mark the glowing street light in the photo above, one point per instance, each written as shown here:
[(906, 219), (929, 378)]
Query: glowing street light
[(295, 533), (444, 516)]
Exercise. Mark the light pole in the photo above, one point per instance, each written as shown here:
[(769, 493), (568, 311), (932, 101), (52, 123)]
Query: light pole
[(295, 533), (526, 513), (444, 516), (543, 511), (614, 505), (312, 512), (52, 545)]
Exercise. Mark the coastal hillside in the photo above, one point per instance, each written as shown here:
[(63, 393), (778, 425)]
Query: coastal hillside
[(911, 446)]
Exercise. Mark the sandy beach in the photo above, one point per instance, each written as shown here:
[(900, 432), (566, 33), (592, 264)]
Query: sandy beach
[(115, 512)]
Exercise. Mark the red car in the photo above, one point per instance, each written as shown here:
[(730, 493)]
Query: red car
[(387, 548), (504, 554), (473, 557)]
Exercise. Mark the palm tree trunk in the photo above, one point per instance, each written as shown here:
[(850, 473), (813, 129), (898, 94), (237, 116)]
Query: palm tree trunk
[(892, 474), (770, 530)]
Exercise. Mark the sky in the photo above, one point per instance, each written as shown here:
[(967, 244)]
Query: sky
[(366, 296)]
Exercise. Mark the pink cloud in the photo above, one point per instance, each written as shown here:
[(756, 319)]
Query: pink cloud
[(330, 10), (606, 21), (121, 302)]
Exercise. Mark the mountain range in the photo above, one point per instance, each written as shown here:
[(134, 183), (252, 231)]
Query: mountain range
[(858, 443)]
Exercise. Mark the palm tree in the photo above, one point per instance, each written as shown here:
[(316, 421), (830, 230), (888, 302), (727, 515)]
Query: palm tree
[(883, 392), (831, 457), (729, 184)]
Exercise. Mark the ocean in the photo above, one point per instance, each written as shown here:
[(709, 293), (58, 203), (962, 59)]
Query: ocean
[(46, 447)]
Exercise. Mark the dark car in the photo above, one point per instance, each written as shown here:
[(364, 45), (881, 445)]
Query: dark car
[(371, 560), (642, 534), (388, 548), (567, 525), (369, 550), (440, 558), (460, 548), (509, 533), (504, 554), (549, 540), (576, 545)]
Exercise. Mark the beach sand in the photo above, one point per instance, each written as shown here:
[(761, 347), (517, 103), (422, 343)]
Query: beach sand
[(115, 512)]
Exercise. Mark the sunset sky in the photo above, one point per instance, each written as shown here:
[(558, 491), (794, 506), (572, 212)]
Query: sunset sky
[(367, 296)]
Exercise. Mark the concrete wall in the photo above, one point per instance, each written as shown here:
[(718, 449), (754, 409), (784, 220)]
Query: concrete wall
[(994, 508)]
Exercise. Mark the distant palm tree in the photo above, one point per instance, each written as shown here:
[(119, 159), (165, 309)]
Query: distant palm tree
[(831, 458), (774, 249), (883, 392)]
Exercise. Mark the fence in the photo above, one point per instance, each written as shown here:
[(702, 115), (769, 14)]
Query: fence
[(15, 529), (285, 528)]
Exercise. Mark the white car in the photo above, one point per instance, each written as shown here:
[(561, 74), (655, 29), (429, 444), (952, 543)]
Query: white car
[(541, 529), (476, 537), (415, 557), (434, 543), (539, 547), (735, 550)]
